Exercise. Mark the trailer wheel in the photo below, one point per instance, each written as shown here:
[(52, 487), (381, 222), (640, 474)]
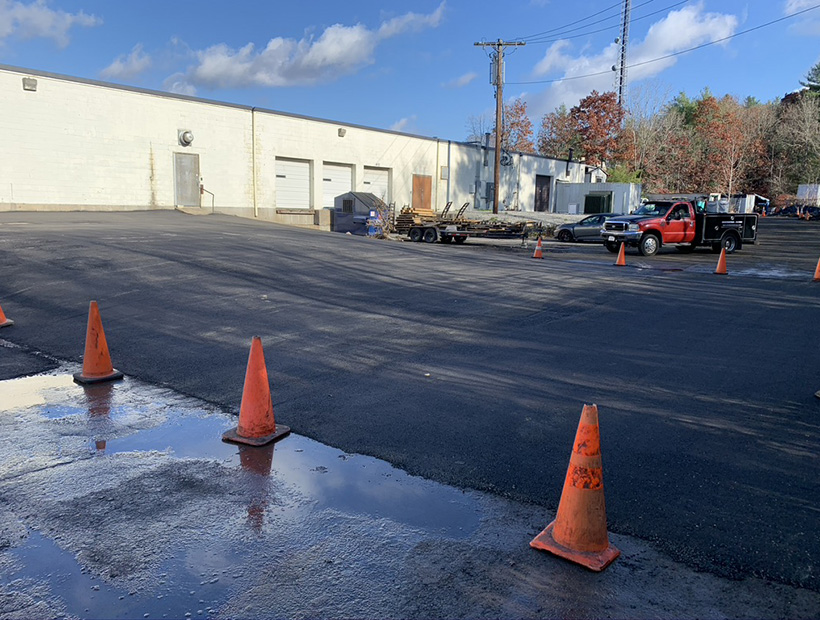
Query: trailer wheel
[(460, 240), (649, 245), (430, 235), (415, 234), (730, 242)]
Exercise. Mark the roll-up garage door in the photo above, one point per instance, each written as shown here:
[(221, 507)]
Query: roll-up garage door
[(292, 184), (336, 180), (376, 181)]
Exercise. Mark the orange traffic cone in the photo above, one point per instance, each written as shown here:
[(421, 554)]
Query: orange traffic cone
[(816, 279), (4, 322), (721, 266), (621, 262), (96, 359), (579, 532), (256, 423), (538, 253)]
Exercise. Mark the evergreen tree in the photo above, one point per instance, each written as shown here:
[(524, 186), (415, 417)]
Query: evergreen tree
[(813, 79)]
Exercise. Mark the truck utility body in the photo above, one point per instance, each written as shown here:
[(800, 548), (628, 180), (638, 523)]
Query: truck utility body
[(679, 223)]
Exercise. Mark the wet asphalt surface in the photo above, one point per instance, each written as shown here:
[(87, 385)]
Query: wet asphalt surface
[(469, 364)]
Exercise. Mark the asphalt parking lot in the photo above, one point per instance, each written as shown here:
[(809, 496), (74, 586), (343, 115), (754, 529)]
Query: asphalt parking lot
[(469, 365)]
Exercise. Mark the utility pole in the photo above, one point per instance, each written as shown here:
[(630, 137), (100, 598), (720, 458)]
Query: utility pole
[(498, 81)]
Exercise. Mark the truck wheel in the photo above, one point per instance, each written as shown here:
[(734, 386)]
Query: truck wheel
[(415, 234), (730, 242), (612, 246), (649, 245), (430, 235)]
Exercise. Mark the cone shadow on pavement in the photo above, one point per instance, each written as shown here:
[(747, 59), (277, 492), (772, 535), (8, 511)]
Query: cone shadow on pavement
[(257, 426), (578, 532), (96, 359)]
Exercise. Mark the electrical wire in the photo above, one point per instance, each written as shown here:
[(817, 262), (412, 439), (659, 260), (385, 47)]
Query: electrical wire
[(578, 21), (560, 34), (631, 21), (673, 54)]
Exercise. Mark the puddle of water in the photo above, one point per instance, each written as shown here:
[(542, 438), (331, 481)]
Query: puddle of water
[(125, 419), (774, 273), (177, 587)]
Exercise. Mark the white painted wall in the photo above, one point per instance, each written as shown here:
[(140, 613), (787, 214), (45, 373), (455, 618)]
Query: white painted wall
[(77, 144)]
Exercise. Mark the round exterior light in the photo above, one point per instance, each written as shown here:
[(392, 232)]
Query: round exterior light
[(186, 137)]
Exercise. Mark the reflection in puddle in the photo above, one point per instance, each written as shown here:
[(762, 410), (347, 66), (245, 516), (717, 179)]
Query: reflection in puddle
[(305, 481)]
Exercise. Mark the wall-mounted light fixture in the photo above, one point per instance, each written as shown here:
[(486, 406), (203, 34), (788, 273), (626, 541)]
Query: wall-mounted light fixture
[(342, 132), (186, 137), (29, 84)]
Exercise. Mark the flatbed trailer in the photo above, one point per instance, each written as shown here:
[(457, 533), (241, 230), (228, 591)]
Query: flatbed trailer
[(459, 232)]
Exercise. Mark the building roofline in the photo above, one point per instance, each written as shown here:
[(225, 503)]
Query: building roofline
[(24, 71)]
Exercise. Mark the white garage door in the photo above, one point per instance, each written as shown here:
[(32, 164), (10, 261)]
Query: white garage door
[(376, 182), (292, 184), (336, 180)]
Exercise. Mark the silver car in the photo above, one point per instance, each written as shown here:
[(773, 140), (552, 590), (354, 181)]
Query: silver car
[(588, 229)]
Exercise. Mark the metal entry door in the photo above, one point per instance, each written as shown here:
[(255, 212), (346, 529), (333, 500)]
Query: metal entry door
[(186, 180)]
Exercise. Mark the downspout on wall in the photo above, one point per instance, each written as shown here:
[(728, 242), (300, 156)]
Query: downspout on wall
[(253, 160)]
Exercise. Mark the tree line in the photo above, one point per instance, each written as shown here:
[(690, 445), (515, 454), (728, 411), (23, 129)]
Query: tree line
[(683, 145)]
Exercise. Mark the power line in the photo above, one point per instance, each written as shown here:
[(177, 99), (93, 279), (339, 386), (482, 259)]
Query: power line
[(584, 34), (560, 34), (578, 21), (673, 54)]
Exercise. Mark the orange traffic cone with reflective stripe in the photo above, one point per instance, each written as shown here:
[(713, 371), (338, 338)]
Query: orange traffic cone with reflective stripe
[(579, 531), (538, 253), (721, 265), (621, 262), (816, 279), (257, 426), (96, 359), (4, 322)]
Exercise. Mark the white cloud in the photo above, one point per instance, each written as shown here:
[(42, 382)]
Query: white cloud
[(553, 58), (36, 20), (403, 124), (411, 21), (461, 81), (807, 24), (339, 50), (678, 31), (793, 6), (178, 84), (127, 67)]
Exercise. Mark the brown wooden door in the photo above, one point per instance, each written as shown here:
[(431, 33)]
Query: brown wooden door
[(422, 191), (542, 192)]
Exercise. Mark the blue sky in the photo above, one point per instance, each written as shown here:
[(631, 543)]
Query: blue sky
[(412, 66)]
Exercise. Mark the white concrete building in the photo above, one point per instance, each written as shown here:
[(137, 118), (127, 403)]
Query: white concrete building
[(69, 144)]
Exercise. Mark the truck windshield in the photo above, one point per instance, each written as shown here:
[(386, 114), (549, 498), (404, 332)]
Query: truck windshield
[(653, 208)]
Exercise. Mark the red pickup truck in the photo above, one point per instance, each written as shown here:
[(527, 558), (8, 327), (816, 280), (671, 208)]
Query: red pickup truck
[(679, 223)]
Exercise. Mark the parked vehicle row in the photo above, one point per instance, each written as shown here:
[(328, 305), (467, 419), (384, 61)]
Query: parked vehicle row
[(665, 222)]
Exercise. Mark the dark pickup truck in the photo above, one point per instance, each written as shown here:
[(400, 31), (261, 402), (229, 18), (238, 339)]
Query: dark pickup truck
[(679, 223)]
